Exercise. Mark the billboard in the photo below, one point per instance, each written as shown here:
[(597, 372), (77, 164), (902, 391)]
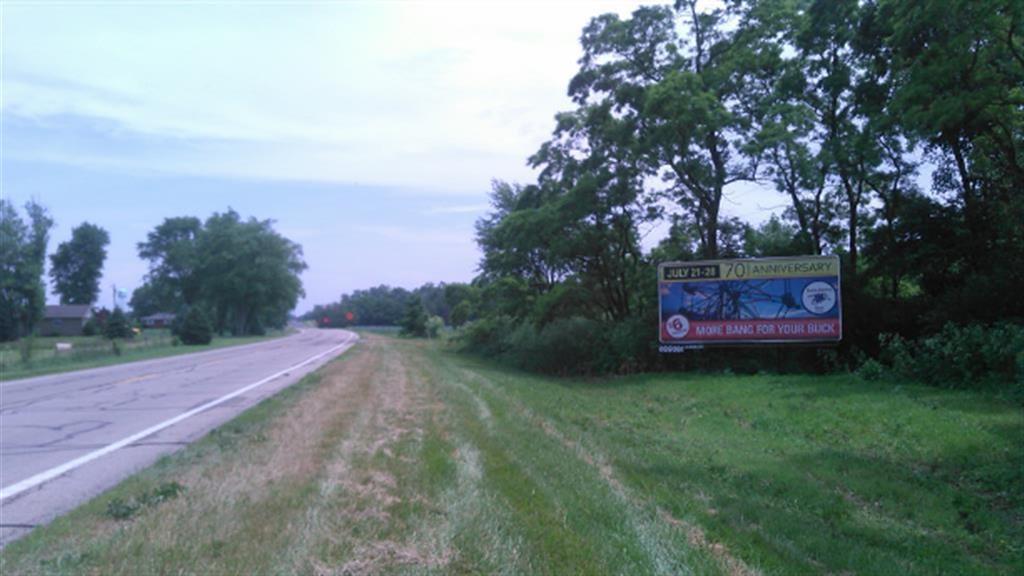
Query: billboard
[(752, 301)]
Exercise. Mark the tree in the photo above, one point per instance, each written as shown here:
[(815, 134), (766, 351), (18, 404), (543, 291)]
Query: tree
[(242, 271), (434, 326), (462, 313), (516, 235), (154, 296), (196, 328), (596, 203), (686, 94), (171, 249), (117, 326), (77, 265), (249, 273), (22, 258), (772, 238), (414, 323)]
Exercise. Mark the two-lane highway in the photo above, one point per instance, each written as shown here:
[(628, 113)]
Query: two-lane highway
[(67, 437)]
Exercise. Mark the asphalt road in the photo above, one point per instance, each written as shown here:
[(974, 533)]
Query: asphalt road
[(65, 438)]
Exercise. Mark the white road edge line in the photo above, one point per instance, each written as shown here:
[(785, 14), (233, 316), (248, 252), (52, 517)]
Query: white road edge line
[(33, 481)]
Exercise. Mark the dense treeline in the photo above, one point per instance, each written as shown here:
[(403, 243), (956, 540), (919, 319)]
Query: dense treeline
[(241, 274), (894, 131), (382, 306)]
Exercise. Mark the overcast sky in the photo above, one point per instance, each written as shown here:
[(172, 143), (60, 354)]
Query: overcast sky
[(369, 131)]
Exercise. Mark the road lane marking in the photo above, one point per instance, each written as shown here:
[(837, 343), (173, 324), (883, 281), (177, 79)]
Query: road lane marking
[(136, 379), (33, 481)]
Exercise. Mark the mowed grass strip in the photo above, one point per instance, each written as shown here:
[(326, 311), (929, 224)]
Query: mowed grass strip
[(799, 474), (378, 463), (403, 457)]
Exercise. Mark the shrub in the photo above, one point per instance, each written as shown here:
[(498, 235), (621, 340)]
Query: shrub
[(487, 336), (434, 326), (871, 370), (632, 347), (414, 323), (25, 348), (91, 327), (117, 326), (565, 346), (196, 328), (461, 313), (960, 356)]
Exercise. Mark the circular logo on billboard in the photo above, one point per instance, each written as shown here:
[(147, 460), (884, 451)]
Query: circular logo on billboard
[(819, 297), (678, 326)]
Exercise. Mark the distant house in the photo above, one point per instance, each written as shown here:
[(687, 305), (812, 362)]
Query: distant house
[(158, 320), (64, 320)]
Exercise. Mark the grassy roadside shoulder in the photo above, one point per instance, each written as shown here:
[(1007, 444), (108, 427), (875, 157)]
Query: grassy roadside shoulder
[(128, 354), (401, 457)]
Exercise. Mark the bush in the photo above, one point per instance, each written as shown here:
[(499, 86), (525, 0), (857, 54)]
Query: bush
[(871, 370), (971, 356), (117, 326), (461, 313), (196, 328), (565, 346), (91, 327), (434, 326), (487, 336), (414, 323)]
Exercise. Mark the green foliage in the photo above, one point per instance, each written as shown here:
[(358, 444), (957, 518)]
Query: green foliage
[(22, 258), (171, 249), (196, 329), (125, 508), (154, 296), (91, 328), (487, 336), (830, 102), (77, 265), (871, 370), (772, 238), (414, 323), (564, 346), (378, 306), (242, 270), (117, 326), (462, 312), (434, 327), (971, 356)]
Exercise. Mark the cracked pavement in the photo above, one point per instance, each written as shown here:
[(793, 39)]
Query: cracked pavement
[(49, 421)]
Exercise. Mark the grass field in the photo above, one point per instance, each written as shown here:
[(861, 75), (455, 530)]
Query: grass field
[(96, 351), (401, 457)]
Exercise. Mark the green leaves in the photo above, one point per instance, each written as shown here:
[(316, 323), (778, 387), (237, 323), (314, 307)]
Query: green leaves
[(77, 265), (22, 257), (242, 270)]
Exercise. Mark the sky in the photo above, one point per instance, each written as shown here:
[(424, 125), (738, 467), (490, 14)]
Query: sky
[(369, 131)]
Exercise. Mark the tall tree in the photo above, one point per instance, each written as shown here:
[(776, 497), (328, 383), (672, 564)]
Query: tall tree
[(22, 259), (247, 272), (77, 265), (171, 251), (593, 167), (683, 91)]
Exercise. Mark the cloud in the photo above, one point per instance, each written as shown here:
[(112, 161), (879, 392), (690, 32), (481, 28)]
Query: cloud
[(440, 95)]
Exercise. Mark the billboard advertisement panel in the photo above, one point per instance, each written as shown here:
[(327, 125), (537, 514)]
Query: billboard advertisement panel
[(751, 301)]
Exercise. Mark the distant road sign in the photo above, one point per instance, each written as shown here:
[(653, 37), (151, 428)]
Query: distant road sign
[(751, 301)]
